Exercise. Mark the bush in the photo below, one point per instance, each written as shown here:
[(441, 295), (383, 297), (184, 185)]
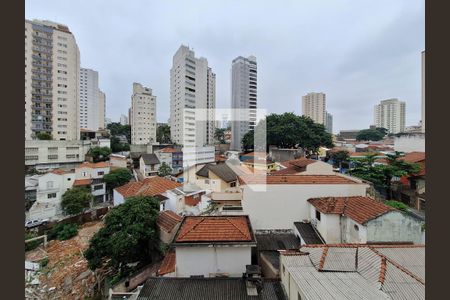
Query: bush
[(34, 244), (396, 204), (43, 263), (63, 232)]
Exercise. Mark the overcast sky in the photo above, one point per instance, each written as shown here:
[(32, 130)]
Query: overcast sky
[(358, 52)]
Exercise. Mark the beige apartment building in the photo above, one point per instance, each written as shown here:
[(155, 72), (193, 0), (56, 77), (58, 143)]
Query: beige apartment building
[(314, 106), (390, 114), (143, 115), (192, 99), (52, 66)]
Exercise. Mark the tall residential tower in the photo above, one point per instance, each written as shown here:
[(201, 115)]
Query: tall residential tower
[(52, 67), (192, 99), (92, 101), (314, 106), (143, 115), (244, 74), (390, 114)]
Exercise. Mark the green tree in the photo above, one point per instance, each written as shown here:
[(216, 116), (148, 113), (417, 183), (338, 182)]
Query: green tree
[(63, 232), (99, 153), (117, 129), (369, 135), (339, 157), (117, 146), (248, 143), (163, 134), (382, 130), (164, 170), (117, 177), (397, 205), (129, 235), (219, 135), (44, 136), (75, 200)]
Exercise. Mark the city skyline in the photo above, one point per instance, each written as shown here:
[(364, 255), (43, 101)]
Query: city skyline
[(356, 66)]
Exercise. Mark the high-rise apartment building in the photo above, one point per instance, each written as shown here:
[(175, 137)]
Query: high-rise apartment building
[(143, 115), (329, 123), (314, 106), (124, 120), (52, 67), (423, 91), (102, 109), (244, 75), (192, 99), (91, 100), (390, 114)]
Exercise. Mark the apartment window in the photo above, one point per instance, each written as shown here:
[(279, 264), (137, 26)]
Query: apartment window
[(233, 184), (51, 195), (317, 215), (98, 187), (100, 173), (356, 227)]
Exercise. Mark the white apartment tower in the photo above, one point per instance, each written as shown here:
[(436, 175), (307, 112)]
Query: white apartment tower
[(192, 99), (91, 101), (244, 75), (390, 114), (423, 91), (143, 115), (102, 109), (314, 106), (52, 67)]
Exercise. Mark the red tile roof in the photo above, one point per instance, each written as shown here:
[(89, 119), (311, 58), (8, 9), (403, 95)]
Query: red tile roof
[(102, 164), (168, 264), (148, 187), (414, 157), (214, 229), (167, 220), (287, 171), (295, 179), (358, 208), (169, 150), (302, 162), (60, 171), (82, 182)]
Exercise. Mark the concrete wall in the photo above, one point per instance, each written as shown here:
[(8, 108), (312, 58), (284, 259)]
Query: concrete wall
[(395, 226), (352, 232), (328, 226), (410, 142), (290, 286), (282, 205), (207, 261), (318, 168), (117, 198)]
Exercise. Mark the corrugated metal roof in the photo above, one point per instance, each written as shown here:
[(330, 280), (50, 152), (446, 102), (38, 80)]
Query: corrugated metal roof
[(207, 289)]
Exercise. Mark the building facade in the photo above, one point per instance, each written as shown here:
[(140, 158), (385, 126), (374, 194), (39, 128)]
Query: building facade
[(314, 106), (124, 120), (92, 101), (390, 114), (329, 123), (192, 99), (244, 75), (143, 115), (52, 65), (102, 110), (423, 91)]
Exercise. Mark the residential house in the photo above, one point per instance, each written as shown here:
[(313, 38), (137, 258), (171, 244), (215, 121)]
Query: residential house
[(354, 271), (412, 191), (217, 177), (31, 186), (362, 220), (258, 161), (117, 161), (51, 187), (90, 175), (153, 186), (277, 201), (304, 166), (227, 203), (187, 199), (149, 164), (168, 223), (161, 288), (212, 246)]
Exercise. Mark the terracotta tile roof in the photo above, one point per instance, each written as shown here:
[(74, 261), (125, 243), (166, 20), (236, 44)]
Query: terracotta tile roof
[(414, 157), (362, 154), (102, 164), (148, 187), (82, 182), (167, 220), (287, 171), (302, 162), (220, 158), (358, 208), (168, 264), (201, 229), (60, 171), (294, 179), (169, 150)]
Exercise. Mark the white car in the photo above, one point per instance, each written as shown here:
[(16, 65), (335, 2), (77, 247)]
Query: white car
[(35, 223)]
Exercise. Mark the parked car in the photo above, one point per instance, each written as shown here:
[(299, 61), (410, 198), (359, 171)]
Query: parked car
[(35, 223)]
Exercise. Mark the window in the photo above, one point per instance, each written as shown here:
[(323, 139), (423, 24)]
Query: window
[(206, 181), (51, 195), (356, 227), (49, 184), (98, 187), (100, 173), (233, 184), (317, 215)]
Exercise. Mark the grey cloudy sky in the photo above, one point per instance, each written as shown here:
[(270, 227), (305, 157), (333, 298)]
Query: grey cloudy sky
[(358, 52)]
